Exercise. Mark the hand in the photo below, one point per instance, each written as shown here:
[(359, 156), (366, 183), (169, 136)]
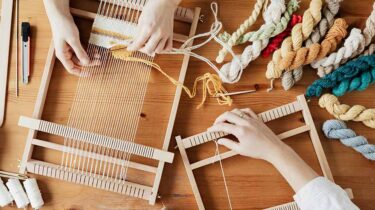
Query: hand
[(256, 140), (66, 36), (155, 27)]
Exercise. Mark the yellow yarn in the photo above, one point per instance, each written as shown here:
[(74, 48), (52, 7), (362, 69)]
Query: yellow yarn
[(346, 112), (300, 32), (110, 33), (211, 83)]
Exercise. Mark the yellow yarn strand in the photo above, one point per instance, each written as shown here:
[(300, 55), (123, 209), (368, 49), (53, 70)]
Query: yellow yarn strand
[(211, 83), (345, 112)]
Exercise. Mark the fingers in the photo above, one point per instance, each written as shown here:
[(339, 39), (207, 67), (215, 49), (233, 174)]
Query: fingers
[(161, 46), (232, 145), (151, 44), (81, 54), (169, 45), (65, 55), (232, 118), (140, 40), (225, 127), (250, 112)]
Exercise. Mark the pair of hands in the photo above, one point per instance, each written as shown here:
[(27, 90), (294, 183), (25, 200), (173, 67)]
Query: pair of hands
[(154, 32)]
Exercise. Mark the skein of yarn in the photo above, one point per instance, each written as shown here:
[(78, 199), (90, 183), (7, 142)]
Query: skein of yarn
[(289, 78), (337, 129), (33, 193), (242, 29), (277, 40), (17, 192), (345, 112), (327, 65), (359, 83), (232, 71), (349, 70), (5, 197), (300, 32), (269, 30)]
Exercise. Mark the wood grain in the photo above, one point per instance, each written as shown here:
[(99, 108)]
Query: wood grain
[(253, 184)]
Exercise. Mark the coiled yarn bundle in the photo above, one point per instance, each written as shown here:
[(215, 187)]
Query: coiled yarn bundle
[(326, 65), (350, 70), (277, 40), (358, 83), (345, 112), (300, 32), (337, 129), (242, 29), (232, 71), (289, 78), (269, 30)]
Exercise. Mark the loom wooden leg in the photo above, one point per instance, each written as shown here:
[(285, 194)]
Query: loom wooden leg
[(190, 174), (39, 105)]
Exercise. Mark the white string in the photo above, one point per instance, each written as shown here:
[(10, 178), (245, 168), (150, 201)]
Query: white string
[(217, 155)]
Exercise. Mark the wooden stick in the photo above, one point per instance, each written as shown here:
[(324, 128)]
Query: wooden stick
[(100, 157), (189, 171), (90, 15), (97, 181), (176, 101), (315, 139), (5, 29), (96, 139), (39, 105)]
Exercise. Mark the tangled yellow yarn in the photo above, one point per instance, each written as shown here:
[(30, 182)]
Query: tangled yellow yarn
[(300, 32), (211, 83), (346, 112)]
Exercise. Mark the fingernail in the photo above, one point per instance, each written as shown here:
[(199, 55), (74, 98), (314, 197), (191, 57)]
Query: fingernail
[(220, 141)]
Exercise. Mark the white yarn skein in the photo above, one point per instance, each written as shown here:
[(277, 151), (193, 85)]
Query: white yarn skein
[(33, 193), (19, 195), (232, 71), (354, 42), (5, 197)]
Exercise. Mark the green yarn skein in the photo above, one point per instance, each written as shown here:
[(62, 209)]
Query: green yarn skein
[(266, 32)]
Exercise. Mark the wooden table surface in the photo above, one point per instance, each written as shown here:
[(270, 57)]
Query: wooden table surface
[(253, 184)]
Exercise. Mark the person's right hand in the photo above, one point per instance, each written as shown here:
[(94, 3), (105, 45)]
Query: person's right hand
[(256, 140)]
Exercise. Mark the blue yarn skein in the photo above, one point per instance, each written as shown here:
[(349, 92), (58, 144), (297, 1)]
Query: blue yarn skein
[(336, 129), (359, 83), (351, 69)]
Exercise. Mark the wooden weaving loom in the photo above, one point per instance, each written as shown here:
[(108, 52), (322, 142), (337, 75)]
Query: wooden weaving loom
[(300, 105), (111, 108), (5, 28)]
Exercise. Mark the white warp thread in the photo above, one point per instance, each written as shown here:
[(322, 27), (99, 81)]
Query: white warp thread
[(17, 192), (5, 197), (231, 72), (33, 193)]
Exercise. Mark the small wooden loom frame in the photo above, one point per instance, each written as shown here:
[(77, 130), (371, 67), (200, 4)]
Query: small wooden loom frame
[(34, 124), (5, 28), (299, 105)]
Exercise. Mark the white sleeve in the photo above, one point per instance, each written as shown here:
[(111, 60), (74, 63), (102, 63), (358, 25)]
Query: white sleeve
[(320, 193)]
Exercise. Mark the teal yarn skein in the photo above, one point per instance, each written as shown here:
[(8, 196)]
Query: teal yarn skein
[(337, 129), (359, 83), (346, 72)]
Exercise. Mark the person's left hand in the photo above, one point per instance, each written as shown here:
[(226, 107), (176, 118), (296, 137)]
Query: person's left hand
[(155, 27)]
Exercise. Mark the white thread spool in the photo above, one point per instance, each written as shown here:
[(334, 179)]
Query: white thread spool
[(5, 197), (19, 195), (33, 193)]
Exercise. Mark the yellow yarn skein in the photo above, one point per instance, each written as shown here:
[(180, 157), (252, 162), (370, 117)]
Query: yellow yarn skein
[(300, 32), (345, 112)]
